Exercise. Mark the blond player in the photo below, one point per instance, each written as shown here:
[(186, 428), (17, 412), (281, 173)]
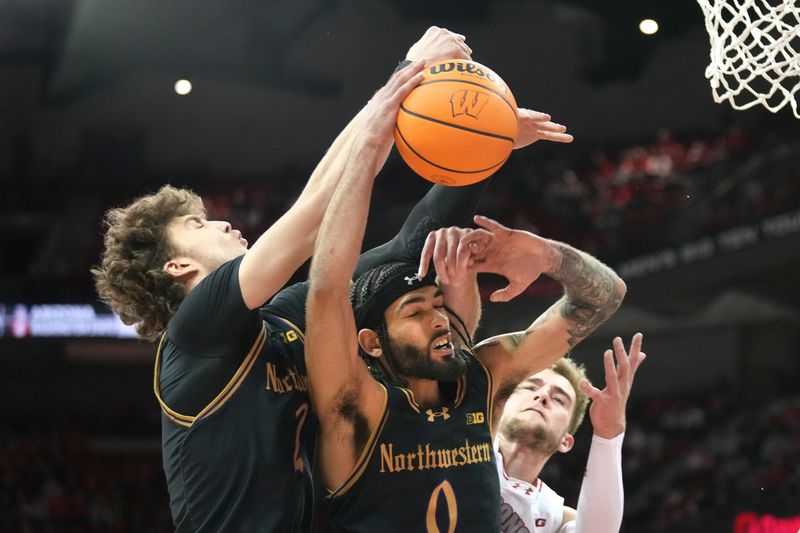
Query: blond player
[(539, 419)]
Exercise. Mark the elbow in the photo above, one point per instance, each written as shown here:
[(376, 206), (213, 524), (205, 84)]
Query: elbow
[(618, 293), (613, 300)]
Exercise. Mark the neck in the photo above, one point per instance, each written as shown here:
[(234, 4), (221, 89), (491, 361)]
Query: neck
[(193, 280), (521, 462), (427, 392)]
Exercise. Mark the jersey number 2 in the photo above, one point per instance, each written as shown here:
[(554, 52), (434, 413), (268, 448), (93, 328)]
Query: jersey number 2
[(300, 415), (446, 489)]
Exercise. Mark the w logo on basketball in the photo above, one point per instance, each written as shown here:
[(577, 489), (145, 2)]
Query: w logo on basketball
[(433, 414), (468, 102)]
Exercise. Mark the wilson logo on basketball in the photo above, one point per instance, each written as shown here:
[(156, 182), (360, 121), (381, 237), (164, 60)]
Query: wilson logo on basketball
[(466, 67), (467, 102)]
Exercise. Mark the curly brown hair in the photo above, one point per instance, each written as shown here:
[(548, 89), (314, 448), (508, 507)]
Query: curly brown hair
[(131, 278)]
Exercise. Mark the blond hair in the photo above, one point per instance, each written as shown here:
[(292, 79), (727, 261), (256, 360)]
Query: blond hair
[(574, 373)]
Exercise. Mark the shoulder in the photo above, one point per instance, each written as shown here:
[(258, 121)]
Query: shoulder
[(214, 315), (290, 303)]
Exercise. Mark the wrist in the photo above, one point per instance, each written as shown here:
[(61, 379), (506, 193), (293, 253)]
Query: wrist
[(610, 433), (402, 64), (456, 282), (550, 252)]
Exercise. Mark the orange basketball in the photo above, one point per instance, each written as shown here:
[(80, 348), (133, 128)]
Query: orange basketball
[(458, 125)]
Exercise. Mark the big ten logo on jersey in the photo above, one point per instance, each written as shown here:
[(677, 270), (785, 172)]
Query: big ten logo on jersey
[(475, 418), (288, 336)]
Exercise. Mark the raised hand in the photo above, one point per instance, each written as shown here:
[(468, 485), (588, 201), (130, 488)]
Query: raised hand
[(520, 256), (607, 411), (381, 111), (535, 126), (453, 250), (438, 44)]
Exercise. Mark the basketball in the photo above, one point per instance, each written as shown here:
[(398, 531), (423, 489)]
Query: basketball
[(458, 126)]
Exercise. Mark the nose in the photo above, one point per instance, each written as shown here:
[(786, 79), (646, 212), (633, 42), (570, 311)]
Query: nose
[(440, 319), (540, 396)]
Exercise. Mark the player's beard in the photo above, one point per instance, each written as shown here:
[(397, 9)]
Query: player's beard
[(534, 436), (413, 362)]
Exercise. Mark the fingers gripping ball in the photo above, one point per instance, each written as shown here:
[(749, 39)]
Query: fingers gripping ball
[(458, 125)]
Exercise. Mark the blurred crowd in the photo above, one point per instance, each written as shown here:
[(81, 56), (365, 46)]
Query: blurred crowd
[(69, 474), (690, 464), (617, 202)]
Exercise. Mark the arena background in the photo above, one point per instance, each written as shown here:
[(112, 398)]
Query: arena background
[(696, 205)]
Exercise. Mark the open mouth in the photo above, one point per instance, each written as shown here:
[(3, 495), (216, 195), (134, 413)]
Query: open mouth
[(442, 345)]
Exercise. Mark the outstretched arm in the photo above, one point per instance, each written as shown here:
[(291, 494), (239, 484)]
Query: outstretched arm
[(288, 243), (602, 497), (592, 293), (346, 398), (442, 216)]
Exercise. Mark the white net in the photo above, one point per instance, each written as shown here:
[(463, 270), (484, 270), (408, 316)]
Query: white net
[(755, 52)]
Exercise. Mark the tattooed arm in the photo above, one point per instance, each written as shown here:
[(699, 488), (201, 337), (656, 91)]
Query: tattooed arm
[(592, 293)]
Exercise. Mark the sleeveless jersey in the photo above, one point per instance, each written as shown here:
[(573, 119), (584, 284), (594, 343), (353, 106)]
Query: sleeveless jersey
[(426, 470), (243, 463), (527, 507)]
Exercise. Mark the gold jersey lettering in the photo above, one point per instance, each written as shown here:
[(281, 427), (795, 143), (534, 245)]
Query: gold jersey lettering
[(291, 380), (386, 458), (444, 489), (427, 457)]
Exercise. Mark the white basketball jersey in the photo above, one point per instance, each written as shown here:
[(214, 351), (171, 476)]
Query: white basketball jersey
[(527, 507)]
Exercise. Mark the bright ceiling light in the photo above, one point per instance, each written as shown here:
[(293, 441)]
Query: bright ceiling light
[(648, 26), (183, 87)]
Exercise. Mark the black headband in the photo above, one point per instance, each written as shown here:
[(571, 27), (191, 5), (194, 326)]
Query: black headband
[(401, 282)]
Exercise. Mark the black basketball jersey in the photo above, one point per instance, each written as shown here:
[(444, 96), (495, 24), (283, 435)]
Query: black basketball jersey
[(426, 469), (243, 462)]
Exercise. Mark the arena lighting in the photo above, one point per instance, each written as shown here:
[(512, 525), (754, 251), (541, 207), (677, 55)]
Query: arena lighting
[(648, 26), (183, 87), (21, 321)]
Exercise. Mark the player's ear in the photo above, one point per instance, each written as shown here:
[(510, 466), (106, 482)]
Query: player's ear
[(566, 444), (181, 267), (369, 342)]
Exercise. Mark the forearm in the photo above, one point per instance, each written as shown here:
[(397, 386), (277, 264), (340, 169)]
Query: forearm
[(321, 185), (342, 229), (592, 290), (602, 497), (440, 207), (465, 301)]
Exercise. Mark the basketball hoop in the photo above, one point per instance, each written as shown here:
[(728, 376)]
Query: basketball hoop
[(755, 52)]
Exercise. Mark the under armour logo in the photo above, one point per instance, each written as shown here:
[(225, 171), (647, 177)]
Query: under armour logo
[(433, 414), (411, 279)]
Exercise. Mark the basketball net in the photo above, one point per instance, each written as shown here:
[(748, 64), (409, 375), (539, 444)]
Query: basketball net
[(755, 52)]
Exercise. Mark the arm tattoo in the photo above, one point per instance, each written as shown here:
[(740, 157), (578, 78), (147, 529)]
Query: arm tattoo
[(515, 339), (593, 292)]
